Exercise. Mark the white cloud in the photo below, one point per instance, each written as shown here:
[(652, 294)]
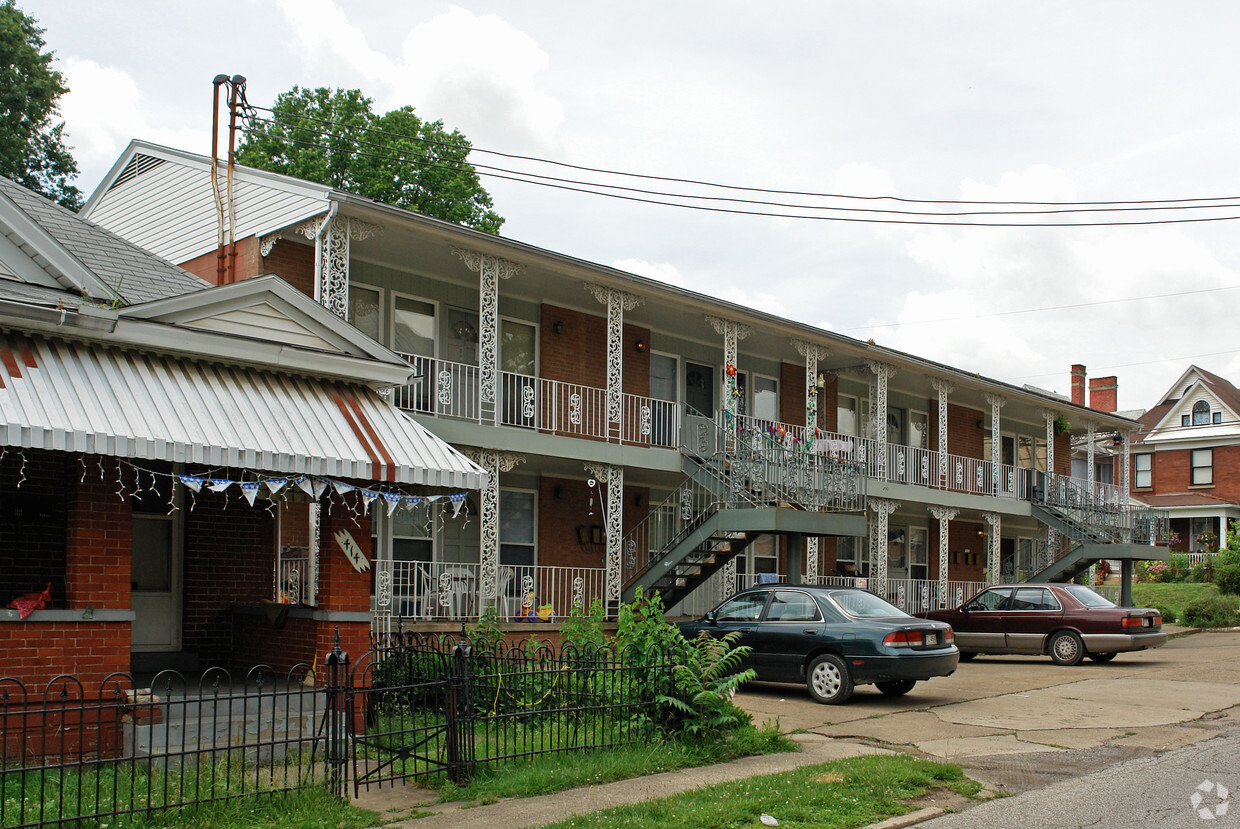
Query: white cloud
[(857, 178), (325, 33), (104, 110), (662, 271)]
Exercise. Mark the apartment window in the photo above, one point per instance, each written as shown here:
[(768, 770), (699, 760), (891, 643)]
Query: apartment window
[(1202, 467), (364, 310), (846, 415), (765, 398), (516, 527), (917, 553), (413, 326), (845, 550), (1142, 471), (1201, 413)]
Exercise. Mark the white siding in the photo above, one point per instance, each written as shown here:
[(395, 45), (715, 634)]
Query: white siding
[(270, 324), (169, 210)]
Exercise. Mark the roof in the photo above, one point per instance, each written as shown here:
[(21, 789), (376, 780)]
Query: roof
[(1183, 499), (76, 396), (1218, 387), (89, 259)]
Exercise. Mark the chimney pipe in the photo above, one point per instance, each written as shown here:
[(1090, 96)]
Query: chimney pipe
[(1078, 384)]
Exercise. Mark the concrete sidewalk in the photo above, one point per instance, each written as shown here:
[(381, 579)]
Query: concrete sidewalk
[(536, 811)]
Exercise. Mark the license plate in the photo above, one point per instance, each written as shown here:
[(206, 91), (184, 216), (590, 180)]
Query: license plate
[(932, 638)]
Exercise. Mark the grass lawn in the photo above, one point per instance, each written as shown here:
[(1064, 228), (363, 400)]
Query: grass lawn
[(844, 793), (1172, 596)]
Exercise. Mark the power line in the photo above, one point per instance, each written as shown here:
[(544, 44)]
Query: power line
[(743, 188), (586, 188)]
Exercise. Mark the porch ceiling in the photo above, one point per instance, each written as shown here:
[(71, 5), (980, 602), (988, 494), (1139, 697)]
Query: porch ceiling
[(86, 397)]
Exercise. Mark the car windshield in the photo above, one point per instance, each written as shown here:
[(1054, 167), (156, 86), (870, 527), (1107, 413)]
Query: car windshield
[(1088, 597), (862, 605)]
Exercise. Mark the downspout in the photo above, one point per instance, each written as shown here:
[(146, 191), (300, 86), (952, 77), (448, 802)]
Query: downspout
[(215, 183), (237, 90)]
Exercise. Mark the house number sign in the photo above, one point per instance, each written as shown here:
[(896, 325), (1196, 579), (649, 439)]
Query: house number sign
[(351, 551)]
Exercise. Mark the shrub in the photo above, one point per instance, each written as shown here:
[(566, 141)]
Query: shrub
[(1213, 612), (583, 627), (1227, 578)]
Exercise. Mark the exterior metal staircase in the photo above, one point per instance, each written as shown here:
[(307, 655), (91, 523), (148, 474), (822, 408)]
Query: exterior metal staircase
[(738, 486), (1100, 523)]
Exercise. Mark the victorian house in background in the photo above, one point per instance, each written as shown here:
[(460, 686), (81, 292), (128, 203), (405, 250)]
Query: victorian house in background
[(635, 434)]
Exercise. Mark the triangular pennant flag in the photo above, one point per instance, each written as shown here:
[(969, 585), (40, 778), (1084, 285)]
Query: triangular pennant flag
[(250, 490), (276, 484), (320, 486), (368, 497), (430, 499), (458, 501), (306, 484), (393, 501), (411, 502), (218, 484), (193, 482), (342, 487)]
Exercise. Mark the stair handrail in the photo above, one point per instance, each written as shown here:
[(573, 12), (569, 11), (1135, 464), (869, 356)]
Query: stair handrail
[(1098, 513)]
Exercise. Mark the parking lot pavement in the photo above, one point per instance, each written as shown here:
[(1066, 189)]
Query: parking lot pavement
[(1022, 722)]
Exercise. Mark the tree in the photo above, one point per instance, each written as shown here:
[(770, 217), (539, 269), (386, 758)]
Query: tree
[(32, 147), (335, 138)]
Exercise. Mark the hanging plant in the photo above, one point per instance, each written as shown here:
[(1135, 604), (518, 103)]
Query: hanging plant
[(1062, 426)]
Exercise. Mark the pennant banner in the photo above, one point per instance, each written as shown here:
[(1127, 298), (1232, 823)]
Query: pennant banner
[(250, 490), (193, 482)]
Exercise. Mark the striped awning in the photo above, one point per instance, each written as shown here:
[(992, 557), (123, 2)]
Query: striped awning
[(96, 399)]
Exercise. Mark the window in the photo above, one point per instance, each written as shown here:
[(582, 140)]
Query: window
[(364, 305), (1201, 413), (516, 527), (990, 600), (917, 545), (765, 398), (1202, 467), (746, 608), (1218, 417), (700, 389), (845, 550), (846, 415), (792, 606), (1034, 598), (413, 326), (1142, 471), (918, 429)]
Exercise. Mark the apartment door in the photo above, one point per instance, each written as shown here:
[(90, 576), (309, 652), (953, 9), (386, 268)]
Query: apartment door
[(155, 584), (663, 394), (700, 389)]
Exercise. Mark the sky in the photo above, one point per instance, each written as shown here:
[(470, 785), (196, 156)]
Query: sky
[(948, 100)]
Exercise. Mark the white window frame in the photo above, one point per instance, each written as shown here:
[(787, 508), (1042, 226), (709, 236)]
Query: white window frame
[(391, 309), (858, 426), (1138, 472), (1194, 466), (925, 564), (533, 545), (381, 304)]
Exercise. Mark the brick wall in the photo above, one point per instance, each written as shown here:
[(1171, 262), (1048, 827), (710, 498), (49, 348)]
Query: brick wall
[(558, 519), (99, 540), (245, 263), (964, 437), (1172, 472), (579, 355), (292, 262), (34, 652)]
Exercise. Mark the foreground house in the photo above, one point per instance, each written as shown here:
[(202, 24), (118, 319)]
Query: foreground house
[(640, 435), (184, 469), (1183, 459)]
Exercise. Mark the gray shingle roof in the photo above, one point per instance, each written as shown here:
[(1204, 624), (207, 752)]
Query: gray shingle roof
[(133, 273)]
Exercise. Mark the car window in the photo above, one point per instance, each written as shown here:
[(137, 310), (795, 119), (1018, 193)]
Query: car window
[(1087, 597), (792, 606), (744, 608), (1034, 598), (990, 600), (862, 605)]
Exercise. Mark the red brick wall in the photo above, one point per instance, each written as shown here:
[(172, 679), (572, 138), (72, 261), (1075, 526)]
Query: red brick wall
[(99, 541), (579, 355), (558, 519), (341, 588), (292, 262), (792, 393), (828, 405), (34, 652), (964, 437), (1172, 472), (243, 265), (257, 642)]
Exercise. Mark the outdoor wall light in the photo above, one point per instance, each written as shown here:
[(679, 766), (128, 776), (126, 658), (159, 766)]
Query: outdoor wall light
[(641, 346), (558, 326)]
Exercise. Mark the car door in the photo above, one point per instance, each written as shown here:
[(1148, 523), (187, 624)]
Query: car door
[(979, 625), (785, 635), (1029, 617), (740, 615)]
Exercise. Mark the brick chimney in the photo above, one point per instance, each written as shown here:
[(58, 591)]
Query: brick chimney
[(1078, 384), (1103, 392)]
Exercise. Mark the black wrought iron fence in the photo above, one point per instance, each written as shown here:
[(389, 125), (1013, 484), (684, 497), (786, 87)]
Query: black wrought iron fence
[(70, 752), (425, 705)]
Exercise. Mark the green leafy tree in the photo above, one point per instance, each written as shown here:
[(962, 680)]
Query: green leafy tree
[(335, 138), (32, 146)]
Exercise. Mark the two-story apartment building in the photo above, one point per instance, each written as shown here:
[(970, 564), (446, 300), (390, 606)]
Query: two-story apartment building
[(1186, 457), (638, 434)]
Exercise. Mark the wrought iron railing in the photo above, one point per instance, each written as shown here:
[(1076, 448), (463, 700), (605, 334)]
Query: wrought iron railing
[(1100, 513)]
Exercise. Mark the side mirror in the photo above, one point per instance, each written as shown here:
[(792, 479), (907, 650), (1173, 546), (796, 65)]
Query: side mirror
[(964, 608), (710, 618)]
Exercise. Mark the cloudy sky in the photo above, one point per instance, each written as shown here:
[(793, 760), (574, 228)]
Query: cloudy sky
[(981, 101)]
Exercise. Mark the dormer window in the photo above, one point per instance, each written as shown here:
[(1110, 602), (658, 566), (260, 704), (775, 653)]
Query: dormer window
[(1201, 413)]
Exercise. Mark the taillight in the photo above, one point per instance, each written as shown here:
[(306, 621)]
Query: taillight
[(1132, 621), (904, 639), (1157, 621), (949, 637)]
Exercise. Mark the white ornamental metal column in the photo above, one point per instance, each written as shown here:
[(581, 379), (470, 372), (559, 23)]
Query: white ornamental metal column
[(996, 444), (733, 332), (944, 516), (611, 477), (993, 519), (882, 373), (494, 462), (812, 354), (1125, 488), (883, 509), (490, 270), (1089, 458), (943, 388), (1052, 539), (617, 303), (331, 235)]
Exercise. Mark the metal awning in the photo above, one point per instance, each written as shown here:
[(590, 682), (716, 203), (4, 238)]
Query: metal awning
[(91, 398)]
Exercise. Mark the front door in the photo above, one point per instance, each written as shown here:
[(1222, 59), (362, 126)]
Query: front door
[(155, 584)]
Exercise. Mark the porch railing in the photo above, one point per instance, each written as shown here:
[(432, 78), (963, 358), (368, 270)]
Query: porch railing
[(446, 591), (444, 388)]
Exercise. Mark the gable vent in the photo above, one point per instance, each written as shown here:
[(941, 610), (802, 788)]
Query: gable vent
[(137, 165)]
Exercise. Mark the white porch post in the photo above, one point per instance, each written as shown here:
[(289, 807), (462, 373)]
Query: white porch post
[(994, 521), (613, 478), (733, 332), (943, 388), (996, 444), (1089, 452), (812, 353), (617, 303), (882, 373), (944, 516), (331, 234), (490, 270), (494, 462), (883, 509)]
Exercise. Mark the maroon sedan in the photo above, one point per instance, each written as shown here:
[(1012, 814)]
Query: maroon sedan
[(1067, 621)]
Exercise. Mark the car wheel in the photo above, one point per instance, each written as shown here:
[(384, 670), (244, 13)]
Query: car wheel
[(828, 680), (896, 688), (1102, 657), (1067, 648), (967, 656)]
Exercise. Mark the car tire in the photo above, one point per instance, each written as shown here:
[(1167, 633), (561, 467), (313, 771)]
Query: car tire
[(967, 656), (1103, 657), (828, 680), (1066, 648), (896, 687)]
